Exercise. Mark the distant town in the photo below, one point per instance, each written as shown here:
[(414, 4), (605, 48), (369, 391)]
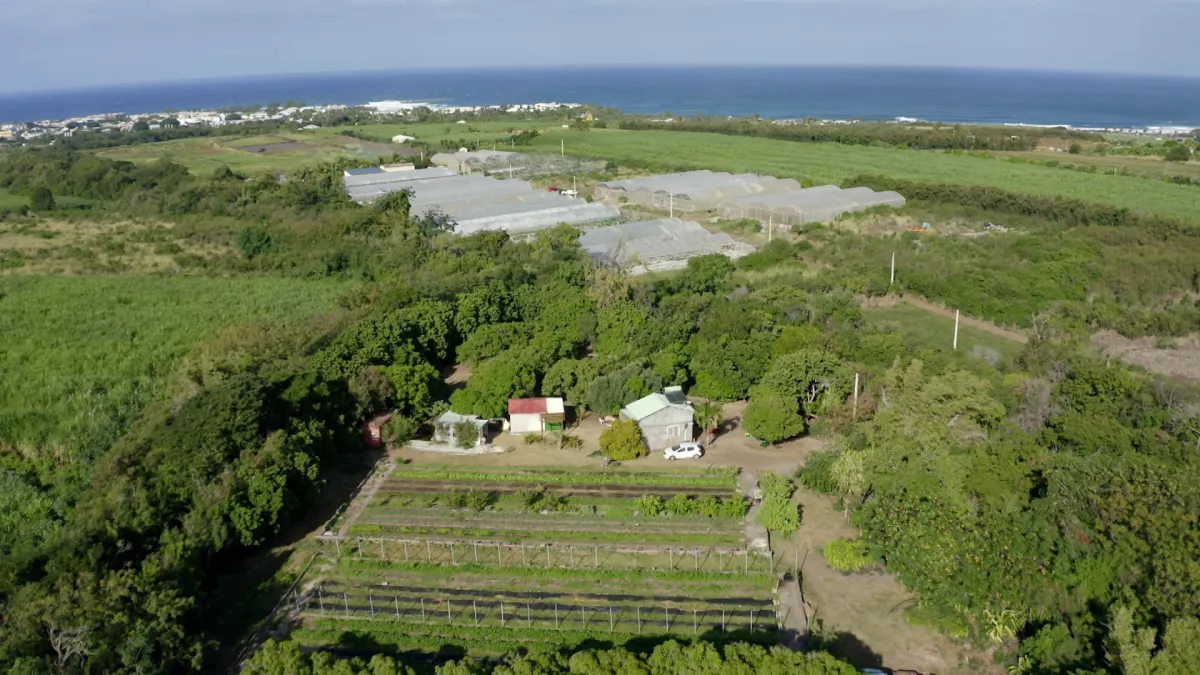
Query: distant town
[(305, 114), (300, 114)]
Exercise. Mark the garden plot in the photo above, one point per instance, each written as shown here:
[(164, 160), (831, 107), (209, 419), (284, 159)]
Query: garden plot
[(480, 562), (482, 611)]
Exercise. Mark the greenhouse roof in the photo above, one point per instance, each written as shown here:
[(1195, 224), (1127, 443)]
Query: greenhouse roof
[(652, 241), (380, 176)]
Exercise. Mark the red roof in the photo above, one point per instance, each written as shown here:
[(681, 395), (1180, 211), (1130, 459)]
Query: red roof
[(534, 406)]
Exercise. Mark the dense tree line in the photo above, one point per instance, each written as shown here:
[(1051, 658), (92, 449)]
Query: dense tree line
[(669, 658), (925, 137)]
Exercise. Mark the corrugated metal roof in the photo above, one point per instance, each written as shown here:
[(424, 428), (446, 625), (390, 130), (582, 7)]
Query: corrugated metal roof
[(648, 405), (451, 418), (363, 172), (535, 406)]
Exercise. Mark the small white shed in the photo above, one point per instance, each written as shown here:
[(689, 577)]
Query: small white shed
[(535, 415)]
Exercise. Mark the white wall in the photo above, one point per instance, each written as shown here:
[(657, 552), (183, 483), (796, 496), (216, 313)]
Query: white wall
[(525, 424)]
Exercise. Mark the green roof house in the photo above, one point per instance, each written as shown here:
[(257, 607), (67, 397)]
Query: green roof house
[(665, 419)]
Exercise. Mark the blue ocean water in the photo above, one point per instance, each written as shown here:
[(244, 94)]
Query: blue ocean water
[(943, 94)]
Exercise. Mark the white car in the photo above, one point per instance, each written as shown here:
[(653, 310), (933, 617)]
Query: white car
[(684, 451)]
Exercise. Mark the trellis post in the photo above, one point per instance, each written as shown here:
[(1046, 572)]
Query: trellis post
[(475, 610), (501, 614), (611, 625), (452, 561), (556, 616), (346, 602), (422, 610), (475, 548), (406, 551)]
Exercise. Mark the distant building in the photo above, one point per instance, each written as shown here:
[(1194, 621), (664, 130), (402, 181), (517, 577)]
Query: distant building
[(665, 419), (535, 415)]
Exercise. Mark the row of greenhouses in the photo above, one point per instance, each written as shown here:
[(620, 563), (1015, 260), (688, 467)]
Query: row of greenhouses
[(766, 198)]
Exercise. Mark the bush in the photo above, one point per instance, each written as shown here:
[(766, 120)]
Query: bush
[(399, 430), (772, 417), (775, 486), (471, 500), (845, 555), (465, 435), (1178, 153), (623, 441), (569, 442), (817, 472), (538, 500), (780, 515), (649, 505), (1075, 149), (254, 241), (41, 199), (534, 439)]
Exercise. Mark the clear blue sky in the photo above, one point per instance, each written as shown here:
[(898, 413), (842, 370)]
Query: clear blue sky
[(52, 44)]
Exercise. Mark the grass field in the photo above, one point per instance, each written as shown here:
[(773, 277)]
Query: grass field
[(9, 200), (83, 355), (821, 163), (924, 328), (280, 152), (1153, 167)]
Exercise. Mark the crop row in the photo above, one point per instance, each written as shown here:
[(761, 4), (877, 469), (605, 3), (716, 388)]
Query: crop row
[(566, 536), (702, 581), (724, 479), (538, 596), (572, 556), (615, 509), (547, 522)]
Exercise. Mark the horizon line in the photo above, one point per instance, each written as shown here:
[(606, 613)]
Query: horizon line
[(595, 66)]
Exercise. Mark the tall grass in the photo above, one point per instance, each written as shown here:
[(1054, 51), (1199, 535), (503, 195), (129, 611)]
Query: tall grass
[(82, 356), (821, 163)]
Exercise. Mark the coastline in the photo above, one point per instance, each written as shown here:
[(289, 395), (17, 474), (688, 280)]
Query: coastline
[(1086, 101)]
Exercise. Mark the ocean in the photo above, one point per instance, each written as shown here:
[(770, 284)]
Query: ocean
[(875, 93)]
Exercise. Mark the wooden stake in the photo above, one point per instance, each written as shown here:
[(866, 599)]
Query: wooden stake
[(956, 330), (855, 415), (893, 279)]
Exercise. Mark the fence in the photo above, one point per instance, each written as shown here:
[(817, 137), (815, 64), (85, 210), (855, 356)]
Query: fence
[(569, 556), (626, 618)]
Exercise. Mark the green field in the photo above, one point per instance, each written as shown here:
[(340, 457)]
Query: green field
[(821, 163), (436, 132), (203, 155), (83, 355), (11, 201), (922, 327)]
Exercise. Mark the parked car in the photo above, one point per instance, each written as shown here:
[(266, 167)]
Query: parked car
[(551, 189), (684, 451)]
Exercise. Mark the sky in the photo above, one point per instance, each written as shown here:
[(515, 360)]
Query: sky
[(58, 44)]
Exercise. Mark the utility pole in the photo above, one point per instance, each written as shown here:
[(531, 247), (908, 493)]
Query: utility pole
[(770, 227), (956, 330), (671, 203), (855, 415), (563, 147), (893, 280)]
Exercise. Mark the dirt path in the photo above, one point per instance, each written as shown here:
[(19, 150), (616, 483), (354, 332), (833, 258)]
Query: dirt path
[(918, 301), (1180, 359)]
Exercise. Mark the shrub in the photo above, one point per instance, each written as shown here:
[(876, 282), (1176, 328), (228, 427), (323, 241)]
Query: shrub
[(649, 505), (472, 500), (679, 505), (623, 441), (539, 500), (772, 417), (779, 515), (534, 439), (41, 199), (569, 442), (734, 507), (845, 555), (399, 430), (254, 241), (775, 486), (817, 472), (465, 435)]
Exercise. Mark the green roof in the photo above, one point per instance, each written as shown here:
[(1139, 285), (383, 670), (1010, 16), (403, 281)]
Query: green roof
[(648, 405)]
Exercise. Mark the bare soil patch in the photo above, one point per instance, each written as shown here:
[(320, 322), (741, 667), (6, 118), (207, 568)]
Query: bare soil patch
[(1181, 361)]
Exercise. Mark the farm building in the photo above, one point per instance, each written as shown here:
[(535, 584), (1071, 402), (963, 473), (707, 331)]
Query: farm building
[(665, 419), (692, 190), (446, 428), (653, 245), (810, 205), (523, 217), (535, 415)]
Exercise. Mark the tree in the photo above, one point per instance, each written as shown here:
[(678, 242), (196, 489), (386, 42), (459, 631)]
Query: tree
[(413, 382), (254, 241), (706, 274), (816, 378), (141, 125), (492, 384), (42, 199), (623, 441), (709, 416), (465, 435), (1075, 149), (771, 416), (1179, 153)]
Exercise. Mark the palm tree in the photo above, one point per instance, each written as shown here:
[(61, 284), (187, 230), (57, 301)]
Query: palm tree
[(709, 416)]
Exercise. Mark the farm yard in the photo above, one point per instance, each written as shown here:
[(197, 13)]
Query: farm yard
[(457, 561)]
